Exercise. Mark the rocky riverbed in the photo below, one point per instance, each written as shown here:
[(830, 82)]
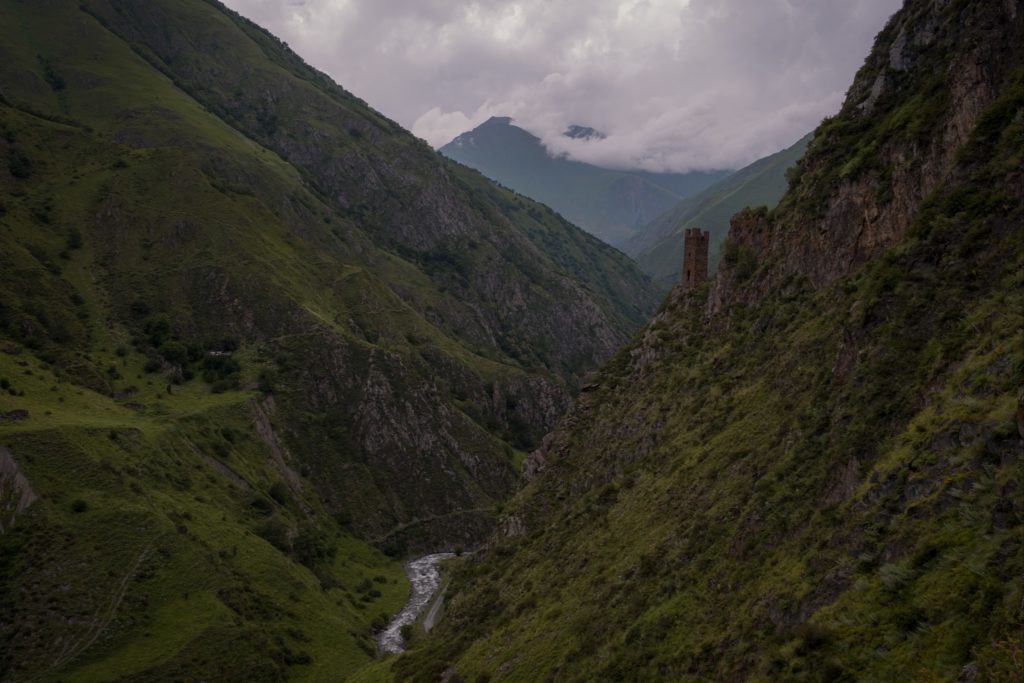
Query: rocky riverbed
[(425, 579)]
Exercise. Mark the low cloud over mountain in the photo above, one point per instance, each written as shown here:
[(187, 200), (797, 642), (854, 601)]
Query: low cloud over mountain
[(675, 85)]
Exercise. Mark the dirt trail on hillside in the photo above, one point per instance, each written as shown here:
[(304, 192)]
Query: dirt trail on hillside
[(103, 616)]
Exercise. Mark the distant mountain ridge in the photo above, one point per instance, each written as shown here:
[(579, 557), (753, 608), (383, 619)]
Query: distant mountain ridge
[(610, 204), (658, 247)]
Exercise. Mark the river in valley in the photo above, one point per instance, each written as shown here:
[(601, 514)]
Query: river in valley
[(425, 579)]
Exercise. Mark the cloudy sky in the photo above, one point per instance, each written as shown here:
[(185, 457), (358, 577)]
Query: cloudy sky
[(675, 84)]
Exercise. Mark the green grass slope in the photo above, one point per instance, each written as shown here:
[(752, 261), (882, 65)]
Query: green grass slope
[(609, 204), (251, 332), (811, 469), (135, 217), (658, 247), (158, 548)]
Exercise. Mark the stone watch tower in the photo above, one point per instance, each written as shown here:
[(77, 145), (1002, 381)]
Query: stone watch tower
[(695, 257)]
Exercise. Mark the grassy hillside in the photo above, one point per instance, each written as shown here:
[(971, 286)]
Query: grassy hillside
[(810, 469), (158, 547), (251, 335), (658, 246), (609, 204)]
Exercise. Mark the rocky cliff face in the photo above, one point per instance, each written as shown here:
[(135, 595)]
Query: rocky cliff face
[(810, 469), (16, 492), (909, 112)]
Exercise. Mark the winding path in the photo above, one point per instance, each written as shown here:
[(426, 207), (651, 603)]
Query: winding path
[(425, 579), (100, 619)]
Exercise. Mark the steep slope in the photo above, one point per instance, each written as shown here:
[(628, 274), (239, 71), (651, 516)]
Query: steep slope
[(610, 204), (811, 469), (249, 327), (658, 246)]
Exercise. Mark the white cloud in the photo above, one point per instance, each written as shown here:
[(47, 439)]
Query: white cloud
[(675, 84)]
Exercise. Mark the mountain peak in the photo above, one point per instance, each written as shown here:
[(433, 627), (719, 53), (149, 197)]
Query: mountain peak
[(497, 121), (583, 133), (611, 204)]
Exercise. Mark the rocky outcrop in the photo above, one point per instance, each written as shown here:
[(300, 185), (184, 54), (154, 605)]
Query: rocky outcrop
[(263, 412), (16, 493), (953, 57)]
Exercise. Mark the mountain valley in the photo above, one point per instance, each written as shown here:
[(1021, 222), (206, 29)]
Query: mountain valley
[(257, 344), (261, 349)]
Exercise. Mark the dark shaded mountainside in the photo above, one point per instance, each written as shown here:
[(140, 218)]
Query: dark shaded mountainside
[(248, 327), (658, 246), (612, 205), (809, 469)]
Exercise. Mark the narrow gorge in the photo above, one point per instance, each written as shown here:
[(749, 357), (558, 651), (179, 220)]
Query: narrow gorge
[(286, 394)]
